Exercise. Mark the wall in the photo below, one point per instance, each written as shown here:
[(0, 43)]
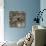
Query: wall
[(30, 7), (1, 21), (43, 6)]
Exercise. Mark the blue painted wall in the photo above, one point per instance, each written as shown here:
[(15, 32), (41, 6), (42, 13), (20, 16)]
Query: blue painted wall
[(30, 7)]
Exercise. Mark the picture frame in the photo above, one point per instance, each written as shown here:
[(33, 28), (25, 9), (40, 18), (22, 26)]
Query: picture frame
[(17, 18)]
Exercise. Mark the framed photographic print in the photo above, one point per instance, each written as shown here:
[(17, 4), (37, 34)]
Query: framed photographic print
[(17, 18)]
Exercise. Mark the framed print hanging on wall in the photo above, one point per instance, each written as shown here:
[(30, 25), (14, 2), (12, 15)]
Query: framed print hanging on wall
[(17, 19)]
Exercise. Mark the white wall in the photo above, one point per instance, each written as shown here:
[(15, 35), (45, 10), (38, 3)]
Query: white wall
[(1, 21), (43, 6)]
